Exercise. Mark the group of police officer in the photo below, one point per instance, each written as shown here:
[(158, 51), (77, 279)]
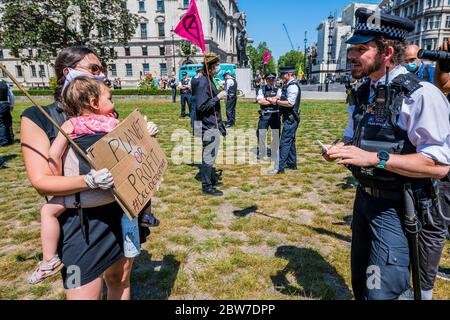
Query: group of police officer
[(279, 105), (397, 146)]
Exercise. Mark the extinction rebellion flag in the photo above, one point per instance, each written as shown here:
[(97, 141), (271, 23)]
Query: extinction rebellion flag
[(190, 27)]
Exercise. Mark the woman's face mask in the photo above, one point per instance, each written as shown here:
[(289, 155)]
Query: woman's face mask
[(412, 67), (72, 74)]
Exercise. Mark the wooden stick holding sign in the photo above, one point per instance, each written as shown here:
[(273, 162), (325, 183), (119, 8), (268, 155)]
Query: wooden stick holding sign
[(71, 142), (135, 160)]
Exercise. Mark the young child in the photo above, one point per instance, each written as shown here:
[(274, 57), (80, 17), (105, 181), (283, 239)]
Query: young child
[(88, 104)]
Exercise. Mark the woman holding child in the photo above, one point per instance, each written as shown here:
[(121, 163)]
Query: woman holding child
[(90, 249)]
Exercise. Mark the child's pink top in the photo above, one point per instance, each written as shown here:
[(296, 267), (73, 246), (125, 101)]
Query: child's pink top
[(92, 124)]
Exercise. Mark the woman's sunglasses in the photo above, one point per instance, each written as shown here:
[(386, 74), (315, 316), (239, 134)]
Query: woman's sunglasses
[(94, 68)]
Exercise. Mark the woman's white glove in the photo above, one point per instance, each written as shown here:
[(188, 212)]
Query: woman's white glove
[(102, 179), (152, 128)]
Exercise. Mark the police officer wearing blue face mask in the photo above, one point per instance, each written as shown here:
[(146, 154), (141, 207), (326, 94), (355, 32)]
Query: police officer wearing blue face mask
[(424, 72)]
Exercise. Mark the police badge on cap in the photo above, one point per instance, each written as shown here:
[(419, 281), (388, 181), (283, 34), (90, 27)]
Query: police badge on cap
[(371, 25)]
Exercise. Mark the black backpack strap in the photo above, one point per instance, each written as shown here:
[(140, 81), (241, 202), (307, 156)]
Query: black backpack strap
[(80, 212)]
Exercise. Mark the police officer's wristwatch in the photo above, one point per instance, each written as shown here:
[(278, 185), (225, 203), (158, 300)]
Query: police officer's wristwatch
[(383, 156)]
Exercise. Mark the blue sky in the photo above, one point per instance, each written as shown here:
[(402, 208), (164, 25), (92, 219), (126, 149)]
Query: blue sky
[(265, 20)]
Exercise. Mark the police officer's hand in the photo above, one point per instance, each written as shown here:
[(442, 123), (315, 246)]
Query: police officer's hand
[(354, 156), (222, 95), (331, 148)]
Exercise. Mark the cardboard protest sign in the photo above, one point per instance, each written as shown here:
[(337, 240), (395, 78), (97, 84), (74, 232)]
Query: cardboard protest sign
[(135, 160)]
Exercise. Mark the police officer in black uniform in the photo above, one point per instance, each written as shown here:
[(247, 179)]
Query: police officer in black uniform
[(185, 94), (231, 88), (399, 143), (269, 116), (6, 109), (207, 98), (289, 104)]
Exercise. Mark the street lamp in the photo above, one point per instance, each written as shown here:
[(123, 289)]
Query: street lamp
[(330, 44), (173, 50), (305, 67)]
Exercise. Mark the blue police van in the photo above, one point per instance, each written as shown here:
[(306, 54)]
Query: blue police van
[(191, 70)]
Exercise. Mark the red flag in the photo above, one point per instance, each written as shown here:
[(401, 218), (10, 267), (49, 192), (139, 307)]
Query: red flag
[(267, 57), (190, 27)]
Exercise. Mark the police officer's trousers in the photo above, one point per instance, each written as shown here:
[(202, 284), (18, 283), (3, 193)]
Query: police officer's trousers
[(379, 252), (288, 151), (185, 99), (433, 236), (267, 120), (192, 111), (174, 95), (231, 110), (6, 129), (211, 144)]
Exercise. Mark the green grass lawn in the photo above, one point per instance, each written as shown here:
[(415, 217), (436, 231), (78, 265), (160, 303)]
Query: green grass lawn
[(269, 237)]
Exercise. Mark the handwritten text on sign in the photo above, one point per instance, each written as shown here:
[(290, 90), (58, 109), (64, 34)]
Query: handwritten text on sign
[(135, 160)]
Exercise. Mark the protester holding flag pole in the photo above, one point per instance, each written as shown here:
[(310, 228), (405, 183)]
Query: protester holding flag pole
[(207, 100)]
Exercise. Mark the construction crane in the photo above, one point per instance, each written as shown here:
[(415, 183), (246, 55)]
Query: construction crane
[(289, 37)]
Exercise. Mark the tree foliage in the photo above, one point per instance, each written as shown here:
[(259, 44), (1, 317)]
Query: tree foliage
[(51, 25), (256, 56), (293, 58)]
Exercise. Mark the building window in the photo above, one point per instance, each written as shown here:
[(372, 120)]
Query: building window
[(1, 53), (127, 51), (144, 51), (30, 52), (113, 69), (143, 31), (163, 69), (146, 68), (186, 4), (160, 5), (437, 22), (141, 6), (19, 72), (419, 25), (33, 71), (41, 71), (129, 68), (162, 51), (161, 31)]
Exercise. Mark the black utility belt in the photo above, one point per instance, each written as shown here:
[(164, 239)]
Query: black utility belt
[(383, 193)]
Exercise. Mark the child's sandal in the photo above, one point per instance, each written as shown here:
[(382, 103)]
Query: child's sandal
[(45, 270)]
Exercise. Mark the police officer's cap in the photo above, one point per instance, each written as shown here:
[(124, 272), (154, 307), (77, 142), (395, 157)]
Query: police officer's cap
[(371, 25), (270, 75), (227, 73), (184, 73), (288, 69)]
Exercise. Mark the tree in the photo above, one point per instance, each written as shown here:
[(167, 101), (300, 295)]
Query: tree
[(256, 56), (51, 25), (293, 58)]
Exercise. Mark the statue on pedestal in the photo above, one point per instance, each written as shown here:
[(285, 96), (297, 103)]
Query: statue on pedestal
[(241, 45)]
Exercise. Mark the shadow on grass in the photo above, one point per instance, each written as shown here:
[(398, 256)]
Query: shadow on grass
[(254, 209), (5, 159), (314, 277), (153, 280)]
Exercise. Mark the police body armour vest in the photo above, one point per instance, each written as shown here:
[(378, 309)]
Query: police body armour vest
[(233, 89), (3, 91), (376, 129), (185, 82), (269, 93), (296, 107)]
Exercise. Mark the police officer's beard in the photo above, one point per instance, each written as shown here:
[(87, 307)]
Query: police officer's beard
[(368, 69)]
